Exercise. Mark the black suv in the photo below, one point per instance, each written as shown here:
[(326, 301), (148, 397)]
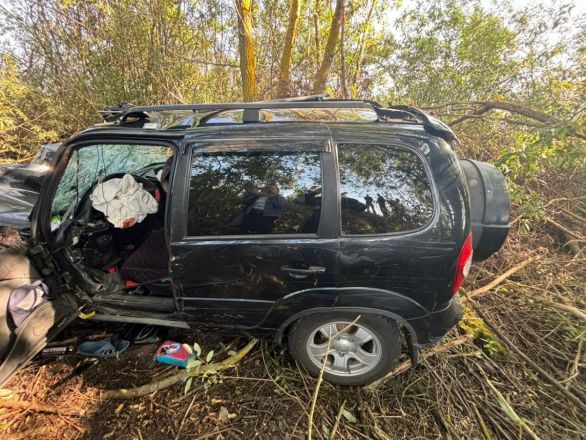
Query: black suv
[(305, 220)]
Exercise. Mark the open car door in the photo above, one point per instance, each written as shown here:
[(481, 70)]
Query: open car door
[(19, 344)]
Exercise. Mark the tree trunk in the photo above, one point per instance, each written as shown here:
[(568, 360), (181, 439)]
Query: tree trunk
[(343, 81), (329, 52), (316, 33), (361, 50), (246, 48), (285, 65), (477, 110)]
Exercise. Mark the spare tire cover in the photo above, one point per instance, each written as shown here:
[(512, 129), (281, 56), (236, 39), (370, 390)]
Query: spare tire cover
[(490, 207)]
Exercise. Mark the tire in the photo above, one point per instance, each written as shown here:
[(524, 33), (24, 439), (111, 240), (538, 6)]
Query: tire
[(363, 353), (490, 207)]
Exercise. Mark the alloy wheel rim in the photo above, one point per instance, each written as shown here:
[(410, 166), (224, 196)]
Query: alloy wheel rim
[(355, 351)]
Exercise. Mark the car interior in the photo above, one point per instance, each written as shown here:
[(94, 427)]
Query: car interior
[(133, 257)]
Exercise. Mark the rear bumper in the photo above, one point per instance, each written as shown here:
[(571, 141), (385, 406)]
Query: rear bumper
[(432, 328)]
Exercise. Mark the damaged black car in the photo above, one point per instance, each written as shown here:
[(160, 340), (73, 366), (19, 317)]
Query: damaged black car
[(340, 228)]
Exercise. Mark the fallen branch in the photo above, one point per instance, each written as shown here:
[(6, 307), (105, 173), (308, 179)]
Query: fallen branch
[(575, 371), (184, 417), (564, 229), (485, 431), (380, 433), (564, 307), (337, 422), (81, 430), (564, 199), (570, 215), (568, 235), (498, 279), (511, 107), (405, 366), (513, 347), (39, 407), (131, 393), (544, 120), (510, 412), (559, 306)]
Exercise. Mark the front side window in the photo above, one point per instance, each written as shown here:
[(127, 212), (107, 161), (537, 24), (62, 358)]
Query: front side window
[(384, 189), (88, 165), (255, 192)]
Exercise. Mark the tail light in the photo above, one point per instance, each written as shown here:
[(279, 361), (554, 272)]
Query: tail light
[(463, 265)]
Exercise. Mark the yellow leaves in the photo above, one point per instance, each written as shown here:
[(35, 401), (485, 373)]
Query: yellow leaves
[(473, 325), (567, 85), (67, 3), (25, 117)]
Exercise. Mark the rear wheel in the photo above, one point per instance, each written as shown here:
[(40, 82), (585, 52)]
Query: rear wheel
[(354, 354)]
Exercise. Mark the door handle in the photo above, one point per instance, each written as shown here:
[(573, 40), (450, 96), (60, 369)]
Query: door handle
[(309, 270)]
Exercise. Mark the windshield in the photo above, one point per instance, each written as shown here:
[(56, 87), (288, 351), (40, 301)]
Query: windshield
[(92, 163)]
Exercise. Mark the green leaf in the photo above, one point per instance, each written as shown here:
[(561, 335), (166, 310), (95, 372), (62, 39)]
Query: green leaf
[(507, 409), (231, 353), (210, 356), (196, 349), (188, 385), (349, 416), (193, 363)]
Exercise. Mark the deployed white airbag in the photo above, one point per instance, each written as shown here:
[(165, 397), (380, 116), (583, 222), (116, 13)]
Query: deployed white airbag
[(123, 201)]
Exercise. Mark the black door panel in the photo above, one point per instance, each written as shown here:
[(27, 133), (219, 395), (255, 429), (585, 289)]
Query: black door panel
[(390, 212), (244, 279), (252, 231)]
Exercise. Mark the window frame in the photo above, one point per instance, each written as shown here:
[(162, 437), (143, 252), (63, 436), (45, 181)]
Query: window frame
[(255, 145), (388, 144)]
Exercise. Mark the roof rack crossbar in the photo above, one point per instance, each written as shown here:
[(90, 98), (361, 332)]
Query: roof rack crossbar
[(250, 105), (251, 111)]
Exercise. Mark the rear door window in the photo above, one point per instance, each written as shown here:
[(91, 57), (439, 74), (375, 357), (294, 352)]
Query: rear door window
[(254, 192), (384, 189)]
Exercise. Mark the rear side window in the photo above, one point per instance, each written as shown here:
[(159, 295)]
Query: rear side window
[(256, 192), (384, 189)]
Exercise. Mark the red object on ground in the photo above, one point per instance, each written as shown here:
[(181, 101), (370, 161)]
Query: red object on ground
[(173, 353)]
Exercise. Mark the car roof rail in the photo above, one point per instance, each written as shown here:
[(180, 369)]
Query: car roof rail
[(432, 125), (252, 111), (141, 112)]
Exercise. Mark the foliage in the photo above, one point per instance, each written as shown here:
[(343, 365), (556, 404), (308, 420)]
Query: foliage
[(458, 58), (27, 117), (452, 57), (472, 324)]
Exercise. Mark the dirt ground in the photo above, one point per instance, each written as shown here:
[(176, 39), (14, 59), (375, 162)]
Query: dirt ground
[(518, 374)]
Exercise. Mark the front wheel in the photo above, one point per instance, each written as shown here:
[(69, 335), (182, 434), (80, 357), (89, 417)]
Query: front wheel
[(358, 353)]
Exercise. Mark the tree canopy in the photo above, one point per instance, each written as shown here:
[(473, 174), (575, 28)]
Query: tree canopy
[(510, 81)]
